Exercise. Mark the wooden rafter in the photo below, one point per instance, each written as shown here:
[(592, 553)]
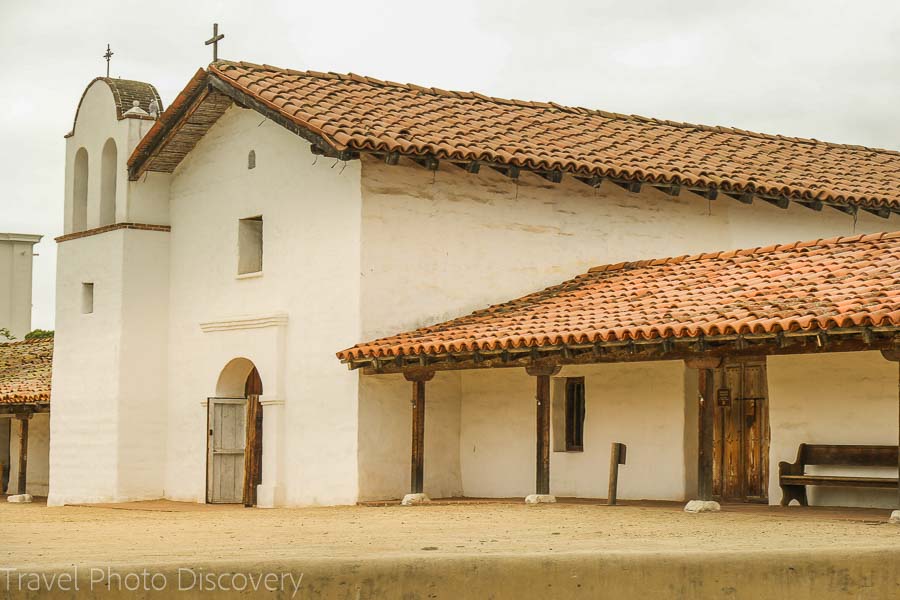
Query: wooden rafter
[(781, 343)]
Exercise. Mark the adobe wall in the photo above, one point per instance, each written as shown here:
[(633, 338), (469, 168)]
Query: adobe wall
[(841, 398), (289, 320), (437, 245), (639, 404)]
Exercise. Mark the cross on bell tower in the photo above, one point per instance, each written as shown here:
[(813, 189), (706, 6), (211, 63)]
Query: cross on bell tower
[(214, 40), (107, 56)]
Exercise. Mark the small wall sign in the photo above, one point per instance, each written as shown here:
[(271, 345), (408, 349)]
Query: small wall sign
[(723, 397)]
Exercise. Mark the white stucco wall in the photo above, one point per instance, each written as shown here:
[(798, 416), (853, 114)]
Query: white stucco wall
[(96, 123), (385, 437), (439, 245), (37, 477), (84, 419), (638, 404), (143, 373), (841, 398), (310, 282), (109, 375), (16, 259)]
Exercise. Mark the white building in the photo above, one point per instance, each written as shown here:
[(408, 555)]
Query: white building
[(21, 372), (272, 218), (16, 259)]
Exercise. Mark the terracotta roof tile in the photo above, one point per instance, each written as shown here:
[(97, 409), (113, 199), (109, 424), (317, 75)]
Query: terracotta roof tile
[(821, 285), (356, 113), (25, 369)]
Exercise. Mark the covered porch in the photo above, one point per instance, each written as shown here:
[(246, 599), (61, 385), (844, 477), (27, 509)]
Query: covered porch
[(25, 373), (711, 369)]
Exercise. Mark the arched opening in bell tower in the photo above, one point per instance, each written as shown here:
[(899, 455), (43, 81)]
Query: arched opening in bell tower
[(108, 161), (80, 191)]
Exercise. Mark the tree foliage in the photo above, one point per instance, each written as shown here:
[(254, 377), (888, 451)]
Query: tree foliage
[(39, 334)]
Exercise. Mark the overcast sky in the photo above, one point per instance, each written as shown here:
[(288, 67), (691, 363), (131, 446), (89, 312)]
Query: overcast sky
[(824, 69)]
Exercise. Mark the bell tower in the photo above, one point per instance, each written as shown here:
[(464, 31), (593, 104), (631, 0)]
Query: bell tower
[(109, 375)]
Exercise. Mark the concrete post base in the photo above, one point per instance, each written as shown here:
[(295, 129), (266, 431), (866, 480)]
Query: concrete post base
[(702, 506), (895, 517), (20, 498), (415, 499), (540, 499)]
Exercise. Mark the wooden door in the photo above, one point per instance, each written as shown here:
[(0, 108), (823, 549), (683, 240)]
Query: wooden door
[(253, 456), (225, 448), (741, 431)]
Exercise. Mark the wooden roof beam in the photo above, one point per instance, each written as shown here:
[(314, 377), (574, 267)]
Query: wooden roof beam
[(781, 202), (884, 211), (629, 186), (850, 210), (472, 166), (173, 130), (594, 180), (710, 193), (743, 197), (429, 161), (670, 189), (811, 204), (801, 342), (511, 171), (551, 176)]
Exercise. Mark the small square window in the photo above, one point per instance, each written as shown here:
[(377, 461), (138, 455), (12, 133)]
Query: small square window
[(575, 414), (87, 298), (250, 245)]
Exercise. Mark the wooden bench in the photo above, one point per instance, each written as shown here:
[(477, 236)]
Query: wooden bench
[(793, 478)]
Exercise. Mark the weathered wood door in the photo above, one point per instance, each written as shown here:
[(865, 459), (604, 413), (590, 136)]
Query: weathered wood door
[(253, 456), (225, 447), (741, 431)]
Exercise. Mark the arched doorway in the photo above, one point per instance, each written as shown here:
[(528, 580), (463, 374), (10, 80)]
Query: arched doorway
[(234, 440)]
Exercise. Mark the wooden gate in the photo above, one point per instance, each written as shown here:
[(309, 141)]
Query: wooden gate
[(741, 431), (227, 420)]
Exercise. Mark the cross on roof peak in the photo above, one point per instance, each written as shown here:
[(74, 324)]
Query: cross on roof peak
[(214, 40), (107, 56)]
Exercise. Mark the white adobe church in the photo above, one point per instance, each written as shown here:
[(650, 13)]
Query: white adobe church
[(218, 254)]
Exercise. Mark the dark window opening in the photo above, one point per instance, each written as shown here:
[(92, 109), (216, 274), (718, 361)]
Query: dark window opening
[(250, 245), (575, 414)]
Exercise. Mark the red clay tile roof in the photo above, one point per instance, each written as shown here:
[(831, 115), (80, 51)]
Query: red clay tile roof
[(350, 112), (25, 369), (817, 285)]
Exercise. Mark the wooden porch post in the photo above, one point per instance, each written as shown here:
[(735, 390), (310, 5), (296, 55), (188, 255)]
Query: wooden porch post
[(705, 415), (417, 462), (542, 375), (894, 355), (23, 451)]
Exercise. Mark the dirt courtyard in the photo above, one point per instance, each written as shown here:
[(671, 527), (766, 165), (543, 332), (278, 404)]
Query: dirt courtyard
[(36, 536), (165, 533)]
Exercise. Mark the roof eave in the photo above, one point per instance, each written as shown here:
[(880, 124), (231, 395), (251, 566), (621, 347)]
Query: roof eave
[(322, 144), (814, 341), (195, 93)]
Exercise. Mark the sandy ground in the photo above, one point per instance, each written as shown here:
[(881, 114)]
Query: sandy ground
[(37, 537)]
